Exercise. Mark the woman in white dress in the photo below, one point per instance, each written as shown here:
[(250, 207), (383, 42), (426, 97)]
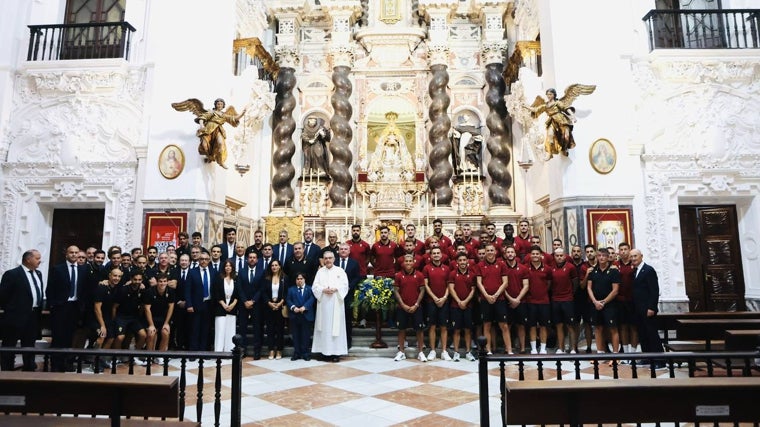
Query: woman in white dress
[(225, 293)]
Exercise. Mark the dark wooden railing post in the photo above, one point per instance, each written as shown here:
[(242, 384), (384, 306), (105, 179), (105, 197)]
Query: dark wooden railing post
[(485, 419), (237, 380)]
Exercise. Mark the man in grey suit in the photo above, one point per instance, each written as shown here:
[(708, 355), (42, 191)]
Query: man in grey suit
[(21, 299), (646, 293)]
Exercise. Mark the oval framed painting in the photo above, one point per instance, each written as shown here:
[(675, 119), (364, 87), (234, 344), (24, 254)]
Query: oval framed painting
[(171, 161), (602, 156)]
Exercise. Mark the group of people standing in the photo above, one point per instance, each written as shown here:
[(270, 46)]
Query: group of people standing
[(465, 286)]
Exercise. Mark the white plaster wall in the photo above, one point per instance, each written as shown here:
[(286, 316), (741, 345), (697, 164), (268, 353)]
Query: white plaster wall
[(192, 59)]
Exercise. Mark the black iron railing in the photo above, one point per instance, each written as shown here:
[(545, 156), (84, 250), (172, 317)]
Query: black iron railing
[(703, 29), (79, 41), (639, 365), (207, 363)]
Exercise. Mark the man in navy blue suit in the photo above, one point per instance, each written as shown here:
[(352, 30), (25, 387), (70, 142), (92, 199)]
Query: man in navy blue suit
[(65, 298), (301, 302), (283, 251), (351, 267), (228, 247), (310, 249), (646, 294), (21, 299), (198, 302), (249, 282)]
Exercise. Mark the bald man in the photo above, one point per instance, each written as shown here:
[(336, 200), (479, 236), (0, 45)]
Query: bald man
[(646, 294)]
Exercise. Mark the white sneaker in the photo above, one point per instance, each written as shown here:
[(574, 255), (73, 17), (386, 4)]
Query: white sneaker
[(363, 323), (470, 357), (542, 352), (431, 355), (422, 357), (445, 355), (399, 356), (533, 352), (572, 351), (560, 351), (456, 356)]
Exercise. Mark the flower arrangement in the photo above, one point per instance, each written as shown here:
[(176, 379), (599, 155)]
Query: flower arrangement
[(375, 294)]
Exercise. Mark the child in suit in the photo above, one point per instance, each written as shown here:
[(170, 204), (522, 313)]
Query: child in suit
[(300, 302)]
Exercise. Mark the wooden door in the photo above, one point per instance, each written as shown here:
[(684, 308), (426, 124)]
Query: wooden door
[(80, 227), (712, 258)]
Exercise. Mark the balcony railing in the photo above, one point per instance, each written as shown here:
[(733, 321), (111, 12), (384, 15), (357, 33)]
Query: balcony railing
[(703, 29), (79, 41)]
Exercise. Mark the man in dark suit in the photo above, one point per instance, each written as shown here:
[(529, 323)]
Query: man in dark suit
[(283, 251), (311, 251), (66, 296), (299, 263), (228, 247), (646, 293), (301, 303), (266, 257), (351, 267), (179, 331), (249, 282), (21, 299), (198, 303)]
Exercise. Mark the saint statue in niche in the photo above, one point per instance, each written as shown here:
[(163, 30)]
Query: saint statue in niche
[(467, 145), (211, 132), (391, 161), (561, 117), (314, 139)]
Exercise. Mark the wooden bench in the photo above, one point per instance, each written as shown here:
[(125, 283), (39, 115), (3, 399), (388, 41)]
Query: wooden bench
[(112, 395), (644, 400), (667, 321), (711, 329), (742, 339)]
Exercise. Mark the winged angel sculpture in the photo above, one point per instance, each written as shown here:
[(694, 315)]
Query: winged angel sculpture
[(561, 117), (211, 132)]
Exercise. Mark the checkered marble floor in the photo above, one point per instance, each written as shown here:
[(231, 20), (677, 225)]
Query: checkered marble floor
[(364, 391)]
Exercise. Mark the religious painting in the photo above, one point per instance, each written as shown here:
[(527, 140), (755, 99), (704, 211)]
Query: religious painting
[(602, 156), (171, 161), (162, 229), (609, 227)]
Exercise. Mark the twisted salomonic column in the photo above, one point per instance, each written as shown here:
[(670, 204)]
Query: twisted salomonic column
[(440, 152), (342, 134), (284, 148), (500, 139)]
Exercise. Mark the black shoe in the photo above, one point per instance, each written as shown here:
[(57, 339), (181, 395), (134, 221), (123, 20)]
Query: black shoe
[(335, 359), (257, 356), (658, 365), (294, 357)]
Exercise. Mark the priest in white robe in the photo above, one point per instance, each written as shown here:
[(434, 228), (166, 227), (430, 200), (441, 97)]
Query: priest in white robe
[(330, 288)]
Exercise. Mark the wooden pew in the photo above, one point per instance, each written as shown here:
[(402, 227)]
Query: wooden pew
[(667, 321), (742, 339), (644, 400), (711, 329), (112, 395)]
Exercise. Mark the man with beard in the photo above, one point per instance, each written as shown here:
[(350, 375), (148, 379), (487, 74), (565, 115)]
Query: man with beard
[(461, 283), (310, 249), (522, 240), (564, 283), (509, 235), (411, 233), (409, 249), (184, 244), (360, 250), (443, 241), (228, 247), (539, 308), (471, 243), (152, 255), (518, 283), (382, 254), (299, 263), (258, 243)]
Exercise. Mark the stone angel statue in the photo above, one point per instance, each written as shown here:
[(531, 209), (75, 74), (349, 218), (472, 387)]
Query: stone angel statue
[(561, 117), (211, 132)]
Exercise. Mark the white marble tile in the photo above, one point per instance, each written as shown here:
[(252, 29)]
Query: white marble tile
[(334, 414), (469, 382), (364, 420), (378, 364), (256, 409), (470, 412), (373, 384), (275, 381)]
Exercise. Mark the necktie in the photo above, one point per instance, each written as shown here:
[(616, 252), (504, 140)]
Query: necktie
[(184, 272), (343, 263), (635, 272), (266, 264), (240, 264), (72, 282), (282, 254), (308, 245), (36, 288), (195, 264), (205, 283), (301, 291), (250, 275)]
